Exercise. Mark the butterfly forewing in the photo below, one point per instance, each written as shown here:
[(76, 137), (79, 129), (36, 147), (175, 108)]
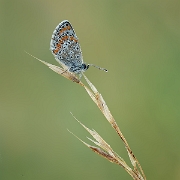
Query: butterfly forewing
[(65, 47)]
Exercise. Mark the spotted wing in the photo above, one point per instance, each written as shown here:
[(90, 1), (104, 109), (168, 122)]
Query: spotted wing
[(65, 47)]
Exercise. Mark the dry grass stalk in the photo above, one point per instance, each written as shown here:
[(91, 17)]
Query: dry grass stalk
[(104, 149)]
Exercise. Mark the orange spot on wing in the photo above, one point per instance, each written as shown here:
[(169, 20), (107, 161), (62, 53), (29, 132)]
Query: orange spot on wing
[(73, 39), (55, 51), (58, 45), (61, 41), (62, 30), (64, 38)]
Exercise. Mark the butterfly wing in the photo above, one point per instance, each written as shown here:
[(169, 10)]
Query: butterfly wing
[(65, 47)]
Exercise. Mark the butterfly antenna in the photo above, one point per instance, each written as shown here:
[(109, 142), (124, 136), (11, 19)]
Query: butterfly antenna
[(100, 68)]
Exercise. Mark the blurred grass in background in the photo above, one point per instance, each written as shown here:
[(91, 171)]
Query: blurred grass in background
[(137, 41)]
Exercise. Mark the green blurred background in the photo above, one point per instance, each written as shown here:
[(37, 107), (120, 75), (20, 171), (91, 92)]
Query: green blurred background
[(137, 41)]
